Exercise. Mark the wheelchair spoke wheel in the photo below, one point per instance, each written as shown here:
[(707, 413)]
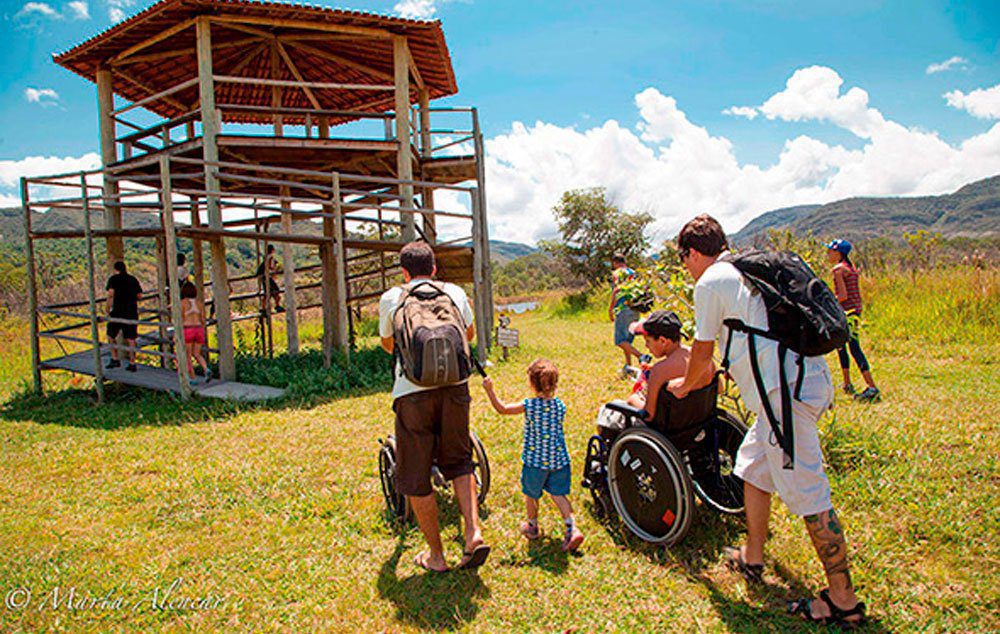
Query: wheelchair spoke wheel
[(713, 461), (387, 475), (595, 476), (650, 486), (480, 468)]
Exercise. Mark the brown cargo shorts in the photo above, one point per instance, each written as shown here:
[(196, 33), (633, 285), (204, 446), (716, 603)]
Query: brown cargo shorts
[(432, 427)]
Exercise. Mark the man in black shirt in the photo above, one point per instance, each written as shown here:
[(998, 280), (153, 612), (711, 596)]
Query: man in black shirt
[(124, 294)]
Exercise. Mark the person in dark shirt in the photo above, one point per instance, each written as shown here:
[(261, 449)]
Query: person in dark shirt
[(124, 293)]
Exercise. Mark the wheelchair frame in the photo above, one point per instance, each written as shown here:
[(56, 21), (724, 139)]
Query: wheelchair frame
[(399, 509), (640, 474)]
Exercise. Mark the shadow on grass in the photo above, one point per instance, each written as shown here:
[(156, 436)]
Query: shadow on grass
[(430, 600), (306, 381), (701, 548), (772, 599)]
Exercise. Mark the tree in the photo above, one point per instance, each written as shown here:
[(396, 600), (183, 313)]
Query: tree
[(593, 229)]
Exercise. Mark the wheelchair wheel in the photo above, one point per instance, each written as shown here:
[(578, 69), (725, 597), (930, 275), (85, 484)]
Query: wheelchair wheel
[(480, 468), (595, 476), (650, 486), (712, 464), (387, 474)]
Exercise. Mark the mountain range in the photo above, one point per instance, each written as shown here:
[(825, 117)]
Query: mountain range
[(972, 211)]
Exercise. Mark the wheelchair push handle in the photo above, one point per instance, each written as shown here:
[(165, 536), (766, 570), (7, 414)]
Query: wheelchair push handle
[(478, 366)]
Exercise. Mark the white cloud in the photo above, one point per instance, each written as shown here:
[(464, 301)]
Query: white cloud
[(983, 103), (741, 111), (78, 10), (39, 8), (41, 96), (117, 9), (12, 171), (955, 62), (673, 168), (418, 9)]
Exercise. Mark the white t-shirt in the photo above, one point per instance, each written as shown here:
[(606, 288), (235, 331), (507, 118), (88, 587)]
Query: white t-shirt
[(722, 293), (387, 309)]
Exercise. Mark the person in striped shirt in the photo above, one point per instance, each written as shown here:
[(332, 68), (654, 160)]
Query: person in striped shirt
[(845, 285)]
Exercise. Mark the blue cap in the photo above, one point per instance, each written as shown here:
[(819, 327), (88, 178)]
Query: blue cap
[(841, 245)]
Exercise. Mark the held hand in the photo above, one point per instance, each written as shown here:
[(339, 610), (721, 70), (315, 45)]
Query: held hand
[(678, 388), (488, 384)]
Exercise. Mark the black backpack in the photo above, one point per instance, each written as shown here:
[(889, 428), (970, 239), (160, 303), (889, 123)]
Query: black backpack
[(429, 334), (803, 315)]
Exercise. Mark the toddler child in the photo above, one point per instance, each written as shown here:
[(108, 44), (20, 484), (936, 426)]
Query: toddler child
[(544, 456)]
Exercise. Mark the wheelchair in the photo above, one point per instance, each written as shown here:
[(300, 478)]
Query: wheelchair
[(399, 510), (649, 472)]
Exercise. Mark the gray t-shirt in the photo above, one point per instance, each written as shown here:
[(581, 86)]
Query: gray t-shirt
[(387, 308)]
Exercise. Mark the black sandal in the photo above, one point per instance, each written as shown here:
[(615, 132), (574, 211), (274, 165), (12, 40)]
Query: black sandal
[(753, 573), (838, 616)]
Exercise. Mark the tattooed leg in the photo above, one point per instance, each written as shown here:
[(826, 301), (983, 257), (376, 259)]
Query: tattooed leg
[(828, 540)]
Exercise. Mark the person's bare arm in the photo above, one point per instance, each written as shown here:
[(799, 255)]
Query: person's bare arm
[(657, 377), (699, 370), (839, 287), (111, 299), (501, 408)]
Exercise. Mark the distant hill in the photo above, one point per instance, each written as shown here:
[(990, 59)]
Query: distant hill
[(503, 252), (973, 210)]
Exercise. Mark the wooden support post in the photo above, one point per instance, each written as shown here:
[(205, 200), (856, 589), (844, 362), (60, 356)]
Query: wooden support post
[(91, 293), (279, 120), (112, 207), (327, 257), (404, 156), (484, 325), (342, 330), (288, 264), (427, 193), (198, 256), (210, 133), (324, 127), (29, 245), (477, 135), (170, 243), (162, 280)]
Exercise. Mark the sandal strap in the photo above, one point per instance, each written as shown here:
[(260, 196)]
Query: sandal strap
[(838, 612)]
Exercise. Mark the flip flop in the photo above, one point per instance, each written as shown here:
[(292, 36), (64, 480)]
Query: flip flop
[(421, 561), (474, 558), (753, 573)]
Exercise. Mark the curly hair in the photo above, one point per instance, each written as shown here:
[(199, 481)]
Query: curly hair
[(543, 376)]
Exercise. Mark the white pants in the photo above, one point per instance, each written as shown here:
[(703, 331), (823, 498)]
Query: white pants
[(805, 489)]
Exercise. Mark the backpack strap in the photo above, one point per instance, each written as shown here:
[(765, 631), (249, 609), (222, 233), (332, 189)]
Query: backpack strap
[(784, 430)]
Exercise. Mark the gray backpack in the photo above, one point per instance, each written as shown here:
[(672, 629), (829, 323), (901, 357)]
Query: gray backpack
[(429, 334)]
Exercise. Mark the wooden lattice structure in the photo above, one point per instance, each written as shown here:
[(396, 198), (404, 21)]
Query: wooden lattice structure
[(298, 125)]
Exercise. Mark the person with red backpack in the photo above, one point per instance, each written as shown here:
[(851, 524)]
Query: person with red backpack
[(775, 319), (427, 326), (845, 284)]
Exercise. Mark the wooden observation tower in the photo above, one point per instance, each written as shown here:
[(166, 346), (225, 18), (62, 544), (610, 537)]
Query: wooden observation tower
[(236, 120)]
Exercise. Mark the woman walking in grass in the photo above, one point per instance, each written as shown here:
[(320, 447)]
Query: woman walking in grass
[(845, 285), (545, 458), (194, 330)]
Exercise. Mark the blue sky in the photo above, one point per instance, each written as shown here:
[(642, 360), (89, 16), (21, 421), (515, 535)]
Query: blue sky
[(631, 96)]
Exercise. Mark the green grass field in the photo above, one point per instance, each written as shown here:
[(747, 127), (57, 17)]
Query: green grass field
[(273, 517)]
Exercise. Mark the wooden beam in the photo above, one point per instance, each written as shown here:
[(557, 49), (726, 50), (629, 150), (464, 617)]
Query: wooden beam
[(173, 102), (173, 283), (302, 24), (210, 148), (279, 121), (177, 28), (29, 244), (339, 59), (295, 72), (288, 264), (414, 71), (235, 70), (426, 193), (153, 57), (91, 294), (109, 155), (342, 334)]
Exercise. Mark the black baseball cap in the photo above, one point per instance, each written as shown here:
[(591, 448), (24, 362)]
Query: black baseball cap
[(659, 323)]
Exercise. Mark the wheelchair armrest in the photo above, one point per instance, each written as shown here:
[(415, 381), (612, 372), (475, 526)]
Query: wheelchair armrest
[(627, 410)]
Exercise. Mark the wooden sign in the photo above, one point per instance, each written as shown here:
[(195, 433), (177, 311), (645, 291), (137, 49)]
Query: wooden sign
[(507, 337)]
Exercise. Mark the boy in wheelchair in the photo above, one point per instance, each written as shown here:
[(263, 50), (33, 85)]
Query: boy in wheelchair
[(653, 454)]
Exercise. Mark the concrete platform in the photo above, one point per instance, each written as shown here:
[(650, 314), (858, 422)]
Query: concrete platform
[(161, 379)]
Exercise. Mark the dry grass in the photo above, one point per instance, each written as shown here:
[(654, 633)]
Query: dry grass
[(279, 512)]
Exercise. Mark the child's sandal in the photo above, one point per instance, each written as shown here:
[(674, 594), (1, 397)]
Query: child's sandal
[(838, 616)]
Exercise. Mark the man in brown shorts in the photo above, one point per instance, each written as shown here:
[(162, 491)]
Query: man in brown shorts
[(432, 427)]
